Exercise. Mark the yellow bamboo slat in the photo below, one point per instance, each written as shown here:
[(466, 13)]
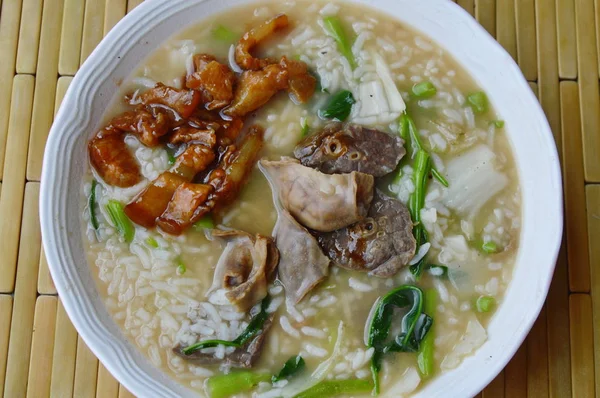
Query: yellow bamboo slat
[(61, 89), (6, 304), (597, 5), (45, 87), (93, 27), (108, 387), (45, 283), (124, 393), (567, 45), (515, 374), (19, 346), (65, 351), (86, 371), (537, 359), (42, 347), (468, 5), (526, 38), (11, 202), (9, 33), (588, 87), (70, 39), (592, 193), (29, 36), (131, 4), (496, 388), (485, 11), (582, 338), (574, 190), (506, 29), (114, 11)]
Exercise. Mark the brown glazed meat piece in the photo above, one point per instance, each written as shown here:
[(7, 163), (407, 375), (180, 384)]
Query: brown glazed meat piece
[(302, 264), (252, 38), (150, 204), (184, 102), (152, 201), (186, 134), (243, 357), (180, 210), (256, 88), (213, 80), (381, 244), (340, 148), (112, 160), (301, 84), (147, 126), (322, 202), (245, 267)]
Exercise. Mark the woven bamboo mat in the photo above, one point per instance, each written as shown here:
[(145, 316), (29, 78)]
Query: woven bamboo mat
[(42, 44)]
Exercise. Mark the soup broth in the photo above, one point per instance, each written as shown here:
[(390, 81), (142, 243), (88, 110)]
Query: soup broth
[(156, 284)]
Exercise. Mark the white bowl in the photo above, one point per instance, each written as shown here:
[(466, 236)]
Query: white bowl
[(142, 31)]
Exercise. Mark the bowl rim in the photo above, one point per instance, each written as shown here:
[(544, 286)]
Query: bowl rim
[(56, 238)]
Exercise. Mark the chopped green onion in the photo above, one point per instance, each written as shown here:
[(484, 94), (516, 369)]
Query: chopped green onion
[(170, 157), (498, 123), (415, 325), (181, 268), (425, 358), (333, 25), (225, 386), (120, 220), (92, 205), (150, 241), (224, 34), (205, 222), (485, 303), (305, 128), (489, 247), (332, 388), (424, 90), (291, 367), (253, 328), (339, 106), (478, 102)]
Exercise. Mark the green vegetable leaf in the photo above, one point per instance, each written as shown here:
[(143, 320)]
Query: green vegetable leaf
[(120, 220), (332, 388), (339, 106), (414, 326), (290, 368), (416, 201), (181, 268), (485, 303), (224, 34), (424, 90), (170, 156), (254, 327), (479, 102), (225, 386), (334, 27), (205, 222), (92, 205), (305, 128), (498, 123)]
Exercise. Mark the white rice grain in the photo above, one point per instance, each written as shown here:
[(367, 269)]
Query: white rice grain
[(288, 328), (358, 285)]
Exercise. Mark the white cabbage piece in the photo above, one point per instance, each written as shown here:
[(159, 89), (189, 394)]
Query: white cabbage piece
[(473, 180)]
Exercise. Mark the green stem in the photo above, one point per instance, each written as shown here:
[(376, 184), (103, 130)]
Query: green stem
[(331, 388), (425, 358), (224, 386), (120, 220)]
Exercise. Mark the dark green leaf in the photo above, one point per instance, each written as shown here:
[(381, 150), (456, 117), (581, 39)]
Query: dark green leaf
[(290, 368), (339, 106), (92, 205)]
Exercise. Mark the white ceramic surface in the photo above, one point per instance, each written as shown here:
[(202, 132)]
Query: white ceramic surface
[(145, 29)]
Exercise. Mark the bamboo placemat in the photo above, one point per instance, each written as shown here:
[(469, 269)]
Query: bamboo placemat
[(42, 43)]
